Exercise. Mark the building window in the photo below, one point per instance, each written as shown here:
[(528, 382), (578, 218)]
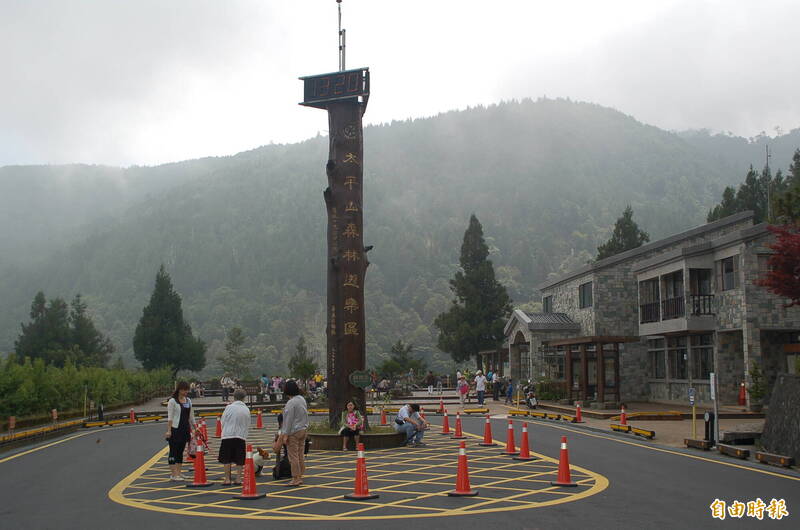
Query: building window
[(727, 272), (673, 306), (658, 367), (678, 357), (702, 356), (547, 304), (585, 295), (649, 301)]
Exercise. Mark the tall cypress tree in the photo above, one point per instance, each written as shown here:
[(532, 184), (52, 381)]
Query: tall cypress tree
[(481, 306), (96, 347), (162, 337), (627, 235)]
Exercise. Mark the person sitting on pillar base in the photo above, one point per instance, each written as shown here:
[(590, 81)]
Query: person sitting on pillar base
[(409, 421)]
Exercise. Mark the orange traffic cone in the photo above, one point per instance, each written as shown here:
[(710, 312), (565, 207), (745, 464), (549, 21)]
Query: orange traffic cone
[(487, 434), (441, 406), (623, 418), (133, 417), (445, 424), (249, 479), (524, 450), (383, 416), (578, 414), (458, 434), (564, 479), (510, 449), (259, 420), (204, 428), (462, 477), (218, 433), (200, 480), (742, 395), (361, 489), (422, 413)]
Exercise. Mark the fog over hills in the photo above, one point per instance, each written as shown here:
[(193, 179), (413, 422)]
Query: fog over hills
[(244, 236)]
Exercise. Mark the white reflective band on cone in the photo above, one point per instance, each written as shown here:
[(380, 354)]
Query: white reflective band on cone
[(524, 429), (510, 426), (462, 451), (361, 454), (487, 420), (249, 455), (563, 446)]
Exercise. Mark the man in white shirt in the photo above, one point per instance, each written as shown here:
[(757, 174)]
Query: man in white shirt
[(411, 423), (480, 386), (235, 424)]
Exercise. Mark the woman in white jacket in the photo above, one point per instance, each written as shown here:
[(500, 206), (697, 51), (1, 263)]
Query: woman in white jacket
[(180, 428)]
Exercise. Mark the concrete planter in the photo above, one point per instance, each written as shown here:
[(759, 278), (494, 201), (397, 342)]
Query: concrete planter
[(333, 442)]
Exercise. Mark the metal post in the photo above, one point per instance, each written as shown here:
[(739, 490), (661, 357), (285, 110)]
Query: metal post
[(694, 422)]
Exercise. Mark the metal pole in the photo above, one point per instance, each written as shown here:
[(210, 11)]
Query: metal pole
[(341, 37)]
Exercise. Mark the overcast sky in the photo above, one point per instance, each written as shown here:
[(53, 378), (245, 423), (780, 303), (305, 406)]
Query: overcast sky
[(143, 82)]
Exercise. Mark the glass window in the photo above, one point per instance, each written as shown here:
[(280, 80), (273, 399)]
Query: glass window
[(547, 304), (673, 285), (700, 281), (658, 366), (678, 357), (727, 272), (702, 356), (585, 295)]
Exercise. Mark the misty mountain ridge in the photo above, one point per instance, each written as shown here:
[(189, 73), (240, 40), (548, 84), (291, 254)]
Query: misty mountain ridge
[(244, 236)]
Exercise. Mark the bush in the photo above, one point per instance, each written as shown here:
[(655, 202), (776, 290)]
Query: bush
[(31, 387)]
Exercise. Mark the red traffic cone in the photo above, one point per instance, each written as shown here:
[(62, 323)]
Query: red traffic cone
[(383, 416), (564, 479), (204, 428), (218, 433), (445, 424), (742, 395), (200, 480), (578, 414), (259, 420), (361, 489), (524, 450), (422, 413), (510, 449), (623, 418), (458, 434), (249, 479), (133, 417), (487, 434), (462, 477), (441, 406)]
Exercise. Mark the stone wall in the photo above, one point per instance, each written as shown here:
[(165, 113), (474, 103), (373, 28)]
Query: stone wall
[(566, 300), (730, 365), (633, 371), (617, 310), (782, 426)]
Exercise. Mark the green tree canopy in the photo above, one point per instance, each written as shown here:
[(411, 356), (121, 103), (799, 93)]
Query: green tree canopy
[(627, 235), (301, 365), (481, 306), (400, 361), (236, 360), (57, 333), (787, 204), (755, 193), (162, 337)]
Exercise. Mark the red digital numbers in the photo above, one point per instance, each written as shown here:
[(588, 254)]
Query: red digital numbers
[(335, 85)]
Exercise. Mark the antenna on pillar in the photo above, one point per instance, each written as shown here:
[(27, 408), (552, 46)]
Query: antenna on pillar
[(341, 38)]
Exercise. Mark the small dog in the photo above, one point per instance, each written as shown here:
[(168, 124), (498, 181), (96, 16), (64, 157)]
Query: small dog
[(260, 456)]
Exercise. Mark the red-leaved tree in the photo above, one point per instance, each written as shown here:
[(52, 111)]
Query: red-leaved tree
[(783, 276)]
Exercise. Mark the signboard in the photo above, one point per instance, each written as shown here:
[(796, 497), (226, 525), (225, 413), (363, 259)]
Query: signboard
[(348, 84), (691, 395), (713, 387), (360, 378)]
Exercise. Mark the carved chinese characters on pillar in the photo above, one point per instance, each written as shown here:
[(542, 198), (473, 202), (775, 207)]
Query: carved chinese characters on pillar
[(347, 261)]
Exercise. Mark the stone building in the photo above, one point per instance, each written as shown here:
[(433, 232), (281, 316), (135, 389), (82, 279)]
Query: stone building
[(651, 322)]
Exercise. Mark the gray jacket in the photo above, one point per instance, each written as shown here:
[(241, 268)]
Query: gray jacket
[(295, 415)]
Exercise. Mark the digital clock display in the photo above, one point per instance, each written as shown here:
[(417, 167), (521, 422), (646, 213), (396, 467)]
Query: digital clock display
[(334, 86)]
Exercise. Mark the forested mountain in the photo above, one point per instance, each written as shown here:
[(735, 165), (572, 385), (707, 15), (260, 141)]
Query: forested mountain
[(243, 237)]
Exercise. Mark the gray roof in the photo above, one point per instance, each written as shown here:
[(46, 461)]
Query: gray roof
[(746, 234), (649, 247), (543, 321)]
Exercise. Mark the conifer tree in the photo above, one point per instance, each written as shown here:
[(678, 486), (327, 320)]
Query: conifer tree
[(787, 204), (301, 365), (95, 347), (481, 306), (162, 337), (627, 235), (236, 360)]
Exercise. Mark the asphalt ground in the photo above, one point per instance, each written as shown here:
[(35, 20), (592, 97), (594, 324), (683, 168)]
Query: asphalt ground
[(65, 483)]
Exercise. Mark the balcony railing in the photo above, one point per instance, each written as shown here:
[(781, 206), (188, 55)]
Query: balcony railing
[(673, 308), (702, 304), (649, 313)]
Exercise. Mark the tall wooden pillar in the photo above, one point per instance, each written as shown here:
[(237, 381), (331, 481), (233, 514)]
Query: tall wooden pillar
[(347, 259)]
